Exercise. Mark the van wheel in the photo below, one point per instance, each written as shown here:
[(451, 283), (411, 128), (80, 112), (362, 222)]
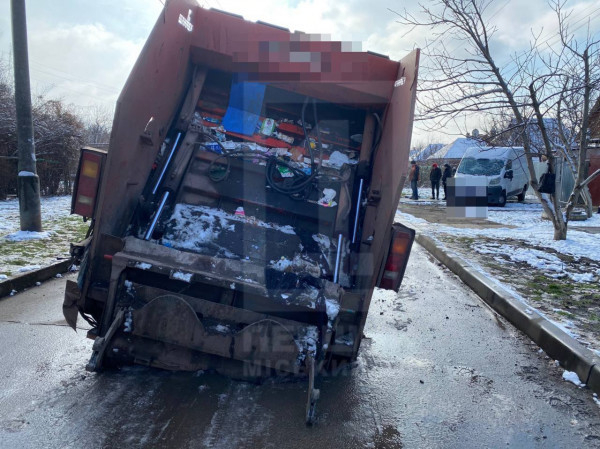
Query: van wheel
[(521, 196), (502, 199)]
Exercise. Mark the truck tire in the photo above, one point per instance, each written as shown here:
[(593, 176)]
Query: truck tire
[(521, 196), (502, 199)]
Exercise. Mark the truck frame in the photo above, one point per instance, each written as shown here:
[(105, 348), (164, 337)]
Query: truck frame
[(244, 212)]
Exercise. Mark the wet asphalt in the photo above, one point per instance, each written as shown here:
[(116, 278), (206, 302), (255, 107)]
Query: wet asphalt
[(437, 369)]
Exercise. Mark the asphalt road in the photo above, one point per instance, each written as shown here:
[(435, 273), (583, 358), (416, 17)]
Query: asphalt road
[(437, 369)]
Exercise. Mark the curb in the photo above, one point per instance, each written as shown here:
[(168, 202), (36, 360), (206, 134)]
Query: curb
[(571, 354), (29, 279)]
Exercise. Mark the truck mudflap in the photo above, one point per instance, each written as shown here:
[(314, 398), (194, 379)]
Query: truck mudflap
[(70, 309)]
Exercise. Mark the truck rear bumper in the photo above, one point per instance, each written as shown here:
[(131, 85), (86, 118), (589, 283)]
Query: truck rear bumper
[(240, 320)]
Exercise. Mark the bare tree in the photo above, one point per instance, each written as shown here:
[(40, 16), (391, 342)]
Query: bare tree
[(98, 122), (58, 137), (578, 93), (542, 82), (8, 136)]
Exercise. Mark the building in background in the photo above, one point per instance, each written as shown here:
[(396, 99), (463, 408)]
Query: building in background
[(593, 152), (453, 152)]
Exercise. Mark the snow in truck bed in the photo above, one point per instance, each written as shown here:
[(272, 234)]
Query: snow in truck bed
[(295, 262)]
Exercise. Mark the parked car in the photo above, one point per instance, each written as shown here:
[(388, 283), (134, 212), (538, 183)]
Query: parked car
[(504, 168)]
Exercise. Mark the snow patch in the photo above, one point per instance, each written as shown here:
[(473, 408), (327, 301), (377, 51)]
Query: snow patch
[(193, 227), (581, 277), (333, 308), (29, 268), (181, 276), (247, 280), (143, 265), (307, 343), (282, 264), (128, 324), (25, 173), (221, 328), (570, 376), (322, 240), (21, 236)]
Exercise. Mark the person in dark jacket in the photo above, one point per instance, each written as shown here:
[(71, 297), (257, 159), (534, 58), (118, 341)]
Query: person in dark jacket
[(434, 176), (413, 177), (447, 174)]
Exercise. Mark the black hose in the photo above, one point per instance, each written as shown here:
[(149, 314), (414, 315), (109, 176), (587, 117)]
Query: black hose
[(300, 179), (305, 179)]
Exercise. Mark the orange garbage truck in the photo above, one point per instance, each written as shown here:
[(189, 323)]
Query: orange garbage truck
[(244, 211)]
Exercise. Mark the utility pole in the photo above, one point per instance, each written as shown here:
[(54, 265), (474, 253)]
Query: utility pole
[(28, 180)]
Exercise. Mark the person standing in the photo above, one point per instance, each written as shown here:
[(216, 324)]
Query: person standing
[(434, 176), (414, 179), (447, 174)]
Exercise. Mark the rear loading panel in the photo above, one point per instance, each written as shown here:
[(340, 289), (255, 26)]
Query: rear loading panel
[(253, 206)]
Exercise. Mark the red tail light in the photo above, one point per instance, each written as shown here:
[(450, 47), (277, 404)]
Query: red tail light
[(87, 181), (395, 265)]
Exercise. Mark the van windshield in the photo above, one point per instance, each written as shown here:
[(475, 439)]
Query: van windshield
[(480, 167)]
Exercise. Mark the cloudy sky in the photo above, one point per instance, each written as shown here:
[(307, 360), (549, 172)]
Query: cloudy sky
[(82, 50)]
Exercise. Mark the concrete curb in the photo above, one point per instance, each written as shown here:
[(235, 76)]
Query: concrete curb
[(571, 354), (29, 279)]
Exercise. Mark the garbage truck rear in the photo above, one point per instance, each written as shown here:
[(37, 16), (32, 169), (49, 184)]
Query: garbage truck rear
[(244, 212)]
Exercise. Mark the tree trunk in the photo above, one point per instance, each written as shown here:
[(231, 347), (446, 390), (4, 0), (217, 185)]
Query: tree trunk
[(560, 232)]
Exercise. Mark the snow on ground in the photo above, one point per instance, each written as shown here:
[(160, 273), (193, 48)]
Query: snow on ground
[(523, 222), (53, 208), (22, 251), (21, 236), (525, 239), (570, 376), (424, 195)]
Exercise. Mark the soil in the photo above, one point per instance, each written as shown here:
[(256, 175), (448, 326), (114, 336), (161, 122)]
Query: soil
[(574, 305)]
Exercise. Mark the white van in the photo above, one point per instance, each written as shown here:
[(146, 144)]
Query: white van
[(504, 168)]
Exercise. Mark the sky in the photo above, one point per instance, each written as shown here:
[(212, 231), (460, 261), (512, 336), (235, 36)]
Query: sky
[(82, 51)]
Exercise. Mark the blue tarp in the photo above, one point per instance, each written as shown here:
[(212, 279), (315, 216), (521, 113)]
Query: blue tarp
[(245, 105)]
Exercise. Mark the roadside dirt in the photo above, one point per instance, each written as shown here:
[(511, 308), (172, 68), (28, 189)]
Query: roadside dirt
[(434, 212), (573, 305)]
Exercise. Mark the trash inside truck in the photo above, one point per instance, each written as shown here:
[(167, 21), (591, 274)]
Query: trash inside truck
[(244, 212)]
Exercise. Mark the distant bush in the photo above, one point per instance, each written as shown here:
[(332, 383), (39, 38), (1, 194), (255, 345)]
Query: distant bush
[(59, 133)]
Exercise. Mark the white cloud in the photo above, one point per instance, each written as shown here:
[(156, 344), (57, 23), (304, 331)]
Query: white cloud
[(83, 50), (79, 51), (91, 66)]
